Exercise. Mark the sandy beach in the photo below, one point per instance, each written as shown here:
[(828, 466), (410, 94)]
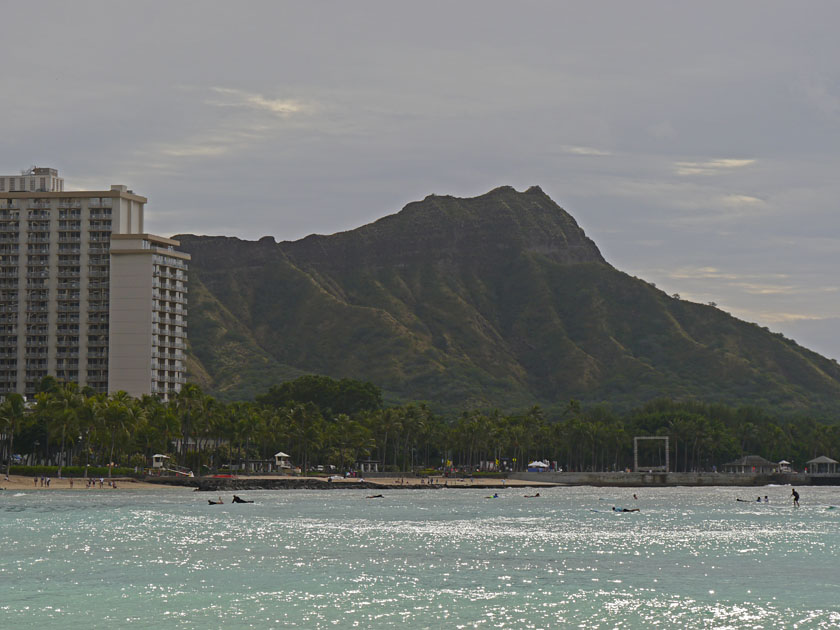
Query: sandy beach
[(19, 483)]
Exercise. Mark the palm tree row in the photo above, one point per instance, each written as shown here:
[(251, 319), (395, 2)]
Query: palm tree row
[(67, 425)]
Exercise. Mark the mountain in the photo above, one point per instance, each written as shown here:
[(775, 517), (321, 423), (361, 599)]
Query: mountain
[(496, 301)]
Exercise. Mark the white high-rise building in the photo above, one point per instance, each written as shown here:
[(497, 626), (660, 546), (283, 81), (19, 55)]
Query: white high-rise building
[(85, 294)]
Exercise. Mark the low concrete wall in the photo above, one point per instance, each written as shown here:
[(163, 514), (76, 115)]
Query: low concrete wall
[(620, 479)]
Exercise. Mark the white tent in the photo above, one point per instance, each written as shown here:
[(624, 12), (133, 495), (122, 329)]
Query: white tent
[(538, 464)]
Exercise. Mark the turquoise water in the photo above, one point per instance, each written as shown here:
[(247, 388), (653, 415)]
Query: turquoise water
[(691, 558)]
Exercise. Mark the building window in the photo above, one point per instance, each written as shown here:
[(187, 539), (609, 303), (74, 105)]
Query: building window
[(2, 183)]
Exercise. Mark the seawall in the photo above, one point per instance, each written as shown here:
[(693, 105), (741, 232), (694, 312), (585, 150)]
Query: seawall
[(629, 480)]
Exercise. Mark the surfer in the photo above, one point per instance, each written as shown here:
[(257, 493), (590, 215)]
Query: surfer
[(795, 496), (219, 502), (375, 496), (495, 496), (236, 499), (532, 496), (618, 509)]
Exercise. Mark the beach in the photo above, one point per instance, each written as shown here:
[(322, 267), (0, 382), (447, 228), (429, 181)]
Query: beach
[(21, 483)]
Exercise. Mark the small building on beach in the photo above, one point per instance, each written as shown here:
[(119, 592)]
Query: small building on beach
[(282, 460), (822, 465), (751, 465)]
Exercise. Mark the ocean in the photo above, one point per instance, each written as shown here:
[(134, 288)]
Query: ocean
[(449, 558)]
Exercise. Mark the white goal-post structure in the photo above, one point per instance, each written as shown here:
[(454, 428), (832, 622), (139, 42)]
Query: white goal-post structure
[(657, 468)]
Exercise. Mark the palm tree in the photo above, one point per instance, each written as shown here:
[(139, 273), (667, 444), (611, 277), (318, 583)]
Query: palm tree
[(122, 415), (65, 406), (12, 414), (189, 403)]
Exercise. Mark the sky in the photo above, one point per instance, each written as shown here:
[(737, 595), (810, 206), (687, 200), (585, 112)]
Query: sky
[(698, 144)]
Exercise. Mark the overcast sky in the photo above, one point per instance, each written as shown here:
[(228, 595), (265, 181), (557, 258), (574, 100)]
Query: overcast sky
[(697, 144)]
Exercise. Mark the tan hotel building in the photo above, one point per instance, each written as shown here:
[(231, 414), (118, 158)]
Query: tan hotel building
[(85, 294)]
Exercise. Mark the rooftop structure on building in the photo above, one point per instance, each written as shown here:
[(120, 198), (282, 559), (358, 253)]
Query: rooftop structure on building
[(85, 294)]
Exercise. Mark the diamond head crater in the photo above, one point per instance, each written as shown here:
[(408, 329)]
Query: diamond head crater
[(495, 302)]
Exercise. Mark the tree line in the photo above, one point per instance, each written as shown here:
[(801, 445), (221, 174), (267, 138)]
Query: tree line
[(337, 423)]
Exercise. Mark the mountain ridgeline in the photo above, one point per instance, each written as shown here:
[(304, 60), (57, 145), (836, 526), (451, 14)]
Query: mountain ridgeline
[(497, 301)]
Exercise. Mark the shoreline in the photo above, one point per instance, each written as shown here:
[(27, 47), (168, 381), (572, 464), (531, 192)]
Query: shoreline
[(20, 483)]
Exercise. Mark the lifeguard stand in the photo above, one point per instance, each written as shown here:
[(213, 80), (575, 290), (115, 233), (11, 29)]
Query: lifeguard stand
[(160, 461)]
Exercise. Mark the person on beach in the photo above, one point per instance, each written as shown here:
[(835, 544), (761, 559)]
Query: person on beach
[(795, 496)]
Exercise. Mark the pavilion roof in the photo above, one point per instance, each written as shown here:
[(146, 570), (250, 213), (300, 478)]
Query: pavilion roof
[(822, 459)]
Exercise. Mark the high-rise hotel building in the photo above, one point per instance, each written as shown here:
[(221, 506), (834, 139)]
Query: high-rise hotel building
[(85, 294)]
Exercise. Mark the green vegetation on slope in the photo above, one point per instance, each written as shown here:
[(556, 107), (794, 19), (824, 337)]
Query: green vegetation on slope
[(498, 301)]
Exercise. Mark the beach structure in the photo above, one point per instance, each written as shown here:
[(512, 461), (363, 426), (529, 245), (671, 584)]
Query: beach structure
[(784, 466), (823, 466), (367, 465), (751, 464), (282, 461), (85, 294), (538, 466), (160, 461)]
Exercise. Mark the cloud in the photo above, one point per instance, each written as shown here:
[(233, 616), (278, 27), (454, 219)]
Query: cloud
[(252, 100), (741, 201), (754, 288), (588, 151), (701, 273), (711, 167)]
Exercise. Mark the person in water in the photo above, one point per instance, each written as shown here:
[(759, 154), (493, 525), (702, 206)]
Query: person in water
[(795, 496), (375, 496), (766, 500), (618, 509), (237, 499), (532, 496)]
